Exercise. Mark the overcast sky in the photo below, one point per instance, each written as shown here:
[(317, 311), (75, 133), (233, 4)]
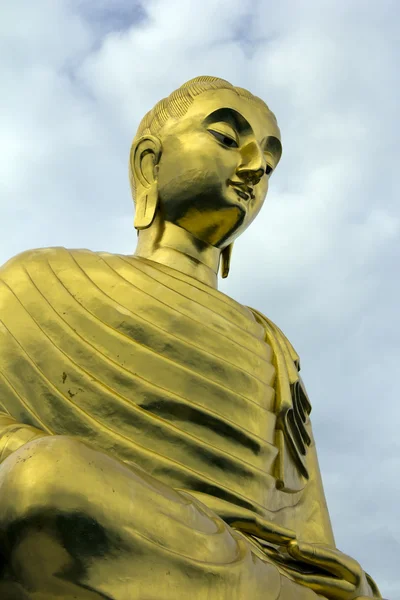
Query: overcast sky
[(321, 260)]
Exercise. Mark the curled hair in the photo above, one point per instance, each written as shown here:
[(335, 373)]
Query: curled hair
[(178, 103)]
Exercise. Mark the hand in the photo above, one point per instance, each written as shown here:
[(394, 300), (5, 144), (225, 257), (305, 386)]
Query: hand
[(244, 520), (344, 579)]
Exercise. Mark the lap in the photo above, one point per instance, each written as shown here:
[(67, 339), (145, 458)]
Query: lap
[(77, 523)]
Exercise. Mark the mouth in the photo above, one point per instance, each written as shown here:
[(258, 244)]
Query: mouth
[(244, 191)]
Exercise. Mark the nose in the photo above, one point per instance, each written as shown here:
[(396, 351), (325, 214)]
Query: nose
[(253, 164)]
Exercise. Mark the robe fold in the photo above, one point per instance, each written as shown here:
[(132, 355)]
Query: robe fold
[(165, 374)]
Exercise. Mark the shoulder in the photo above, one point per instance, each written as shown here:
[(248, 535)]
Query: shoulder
[(278, 337), (44, 267), (39, 267), (38, 256)]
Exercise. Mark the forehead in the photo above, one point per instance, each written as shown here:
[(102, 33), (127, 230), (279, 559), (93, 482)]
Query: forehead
[(259, 118)]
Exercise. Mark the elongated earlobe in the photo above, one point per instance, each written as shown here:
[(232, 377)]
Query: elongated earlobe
[(146, 206), (226, 255), (144, 158)]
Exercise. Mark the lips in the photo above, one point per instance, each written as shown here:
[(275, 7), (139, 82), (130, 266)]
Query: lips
[(244, 191)]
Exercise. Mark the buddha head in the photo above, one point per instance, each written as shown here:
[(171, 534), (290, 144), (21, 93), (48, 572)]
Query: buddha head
[(202, 158)]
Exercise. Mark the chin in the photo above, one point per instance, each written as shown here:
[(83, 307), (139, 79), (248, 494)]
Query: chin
[(230, 198)]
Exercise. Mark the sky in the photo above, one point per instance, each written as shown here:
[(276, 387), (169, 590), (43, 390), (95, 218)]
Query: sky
[(322, 258)]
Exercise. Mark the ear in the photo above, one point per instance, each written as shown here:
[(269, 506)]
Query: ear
[(144, 158), (226, 255)]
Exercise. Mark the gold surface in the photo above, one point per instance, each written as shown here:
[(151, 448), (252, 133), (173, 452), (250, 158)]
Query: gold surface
[(155, 440)]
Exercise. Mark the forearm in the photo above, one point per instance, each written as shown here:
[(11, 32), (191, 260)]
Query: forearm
[(13, 435)]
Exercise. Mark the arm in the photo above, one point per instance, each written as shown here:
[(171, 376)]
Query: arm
[(312, 558), (13, 435)]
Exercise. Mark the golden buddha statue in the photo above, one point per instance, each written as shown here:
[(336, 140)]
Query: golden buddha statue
[(155, 440)]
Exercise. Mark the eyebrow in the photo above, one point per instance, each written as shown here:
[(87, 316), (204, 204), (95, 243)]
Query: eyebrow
[(231, 116), (272, 145)]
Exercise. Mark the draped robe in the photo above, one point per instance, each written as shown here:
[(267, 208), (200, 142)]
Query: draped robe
[(177, 381)]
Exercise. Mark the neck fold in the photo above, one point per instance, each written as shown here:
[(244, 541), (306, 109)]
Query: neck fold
[(173, 246)]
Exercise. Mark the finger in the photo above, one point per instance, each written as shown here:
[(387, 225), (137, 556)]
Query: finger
[(246, 521), (265, 530), (326, 586), (329, 559)]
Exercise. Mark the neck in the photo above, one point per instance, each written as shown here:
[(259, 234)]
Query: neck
[(170, 245)]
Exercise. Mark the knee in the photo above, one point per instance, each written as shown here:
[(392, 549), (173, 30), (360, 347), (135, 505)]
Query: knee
[(40, 474)]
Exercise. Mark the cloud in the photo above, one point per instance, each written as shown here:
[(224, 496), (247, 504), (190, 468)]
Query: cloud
[(322, 258)]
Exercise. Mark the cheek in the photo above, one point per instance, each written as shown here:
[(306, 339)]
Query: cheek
[(259, 201), (203, 152), (261, 192), (195, 163)]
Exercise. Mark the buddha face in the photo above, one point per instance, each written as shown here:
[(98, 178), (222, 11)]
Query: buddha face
[(215, 165)]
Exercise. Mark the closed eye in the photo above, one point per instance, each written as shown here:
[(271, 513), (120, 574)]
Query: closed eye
[(224, 139)]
